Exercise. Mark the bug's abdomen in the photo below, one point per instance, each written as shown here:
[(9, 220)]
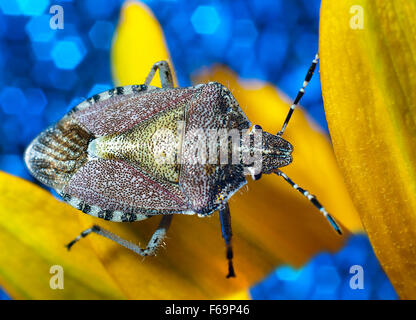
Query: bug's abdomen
[(58, 152)]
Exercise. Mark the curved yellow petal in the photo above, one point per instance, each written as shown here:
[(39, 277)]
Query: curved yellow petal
[(137, 44), (369, 80), (33, 230)]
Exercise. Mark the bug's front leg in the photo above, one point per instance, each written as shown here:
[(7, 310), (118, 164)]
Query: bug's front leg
[(225, 219), (165, 74), (155, 241)]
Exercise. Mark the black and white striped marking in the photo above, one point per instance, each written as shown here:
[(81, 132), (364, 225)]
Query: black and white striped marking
[(312, 199), (95, 211), (82, 235), (109, 94), (300, 93)]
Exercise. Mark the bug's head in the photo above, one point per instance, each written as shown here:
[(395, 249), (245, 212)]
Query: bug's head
[(277, 152), (268, 153)]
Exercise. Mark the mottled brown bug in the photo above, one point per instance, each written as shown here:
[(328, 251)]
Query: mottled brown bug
[(108, 157)]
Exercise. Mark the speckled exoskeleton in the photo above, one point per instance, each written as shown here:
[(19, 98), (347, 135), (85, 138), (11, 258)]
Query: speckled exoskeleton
[(104, 156)]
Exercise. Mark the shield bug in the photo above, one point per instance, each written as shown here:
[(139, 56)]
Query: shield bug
[(134, 152)]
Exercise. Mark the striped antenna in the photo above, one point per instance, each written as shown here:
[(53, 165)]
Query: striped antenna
[(300, 94), (312, 199)]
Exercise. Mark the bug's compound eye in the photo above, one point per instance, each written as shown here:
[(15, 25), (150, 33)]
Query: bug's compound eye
[(257, 176), (256, 129), (202, 212)]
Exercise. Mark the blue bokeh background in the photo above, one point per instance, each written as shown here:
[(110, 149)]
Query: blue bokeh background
[(45, 72)]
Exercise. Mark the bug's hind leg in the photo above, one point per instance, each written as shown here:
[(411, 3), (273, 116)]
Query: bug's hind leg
[(165, 74), (312, 199), (225, 219), (155, 241)]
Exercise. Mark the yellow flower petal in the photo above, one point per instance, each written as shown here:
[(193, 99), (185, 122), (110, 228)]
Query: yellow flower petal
[(134, 53), (34, 227), (369, 81)]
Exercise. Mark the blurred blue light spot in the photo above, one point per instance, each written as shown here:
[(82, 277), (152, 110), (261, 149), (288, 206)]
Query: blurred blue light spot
[(205, 20), (63, 79), (300, 287), (69, 31), (16, 28), (3, 24), (100, 9), (355, 252), (13, 164), (30, 126), (309, 42), (38, 29), (98, 88), (327, 280), (12, 100), (291, 78), (9, 131), (36, 100), (33, 8), (268, 10), (42, 50), (67, 54), (312, 9), (386, 291), (37, 73), (327, 276), (55, 108), (179, 24), (20, 66), (323, 259), (287, 273), (101, 34), (10, 7), (245, 32), (3, 295), (273, 47)]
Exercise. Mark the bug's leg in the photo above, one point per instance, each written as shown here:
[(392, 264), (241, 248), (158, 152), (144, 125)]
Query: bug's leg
[(157, 238), (225, 219), (154, 243), (312, 199), (165, 74), (300, 93)]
